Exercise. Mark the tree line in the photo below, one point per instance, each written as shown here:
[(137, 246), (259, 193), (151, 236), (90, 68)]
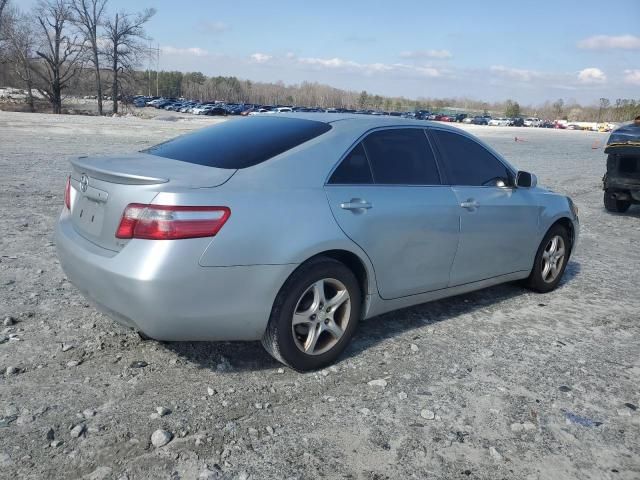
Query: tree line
[(48, 48), (77, 47), (197, 86)]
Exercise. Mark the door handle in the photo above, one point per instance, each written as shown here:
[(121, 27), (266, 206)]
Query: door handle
[(356, 204), (470, 204)]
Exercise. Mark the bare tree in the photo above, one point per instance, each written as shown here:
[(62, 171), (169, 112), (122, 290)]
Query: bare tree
[(603, 109), (558, 106), (3, 23), (88, 17), (20, 38), (60, 55), (6, 22), (3, 4), (125, 33)]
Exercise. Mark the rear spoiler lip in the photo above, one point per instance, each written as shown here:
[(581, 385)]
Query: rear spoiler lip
[(84, 165)]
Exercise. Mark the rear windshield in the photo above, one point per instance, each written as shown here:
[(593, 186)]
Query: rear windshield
[(240, 143)]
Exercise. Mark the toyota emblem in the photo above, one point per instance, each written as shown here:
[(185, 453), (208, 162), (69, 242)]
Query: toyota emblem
[(84, 183)]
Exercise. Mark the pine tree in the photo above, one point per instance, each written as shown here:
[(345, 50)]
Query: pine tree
[(363, 100)]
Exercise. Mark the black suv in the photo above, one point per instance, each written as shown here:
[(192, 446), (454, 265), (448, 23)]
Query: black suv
[(621, 183)]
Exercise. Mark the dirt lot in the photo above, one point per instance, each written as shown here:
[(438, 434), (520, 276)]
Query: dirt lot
[(498, 384)]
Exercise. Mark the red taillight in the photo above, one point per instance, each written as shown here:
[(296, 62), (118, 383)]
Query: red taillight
[(67, 193), (170, 222)]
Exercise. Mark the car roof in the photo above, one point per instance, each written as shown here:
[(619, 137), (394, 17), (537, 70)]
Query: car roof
[(350, 121), (356, 125)]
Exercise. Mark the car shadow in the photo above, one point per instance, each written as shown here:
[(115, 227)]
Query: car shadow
[(572, 271), (378, 329), (233, 357), (634, 211), (224, 357)]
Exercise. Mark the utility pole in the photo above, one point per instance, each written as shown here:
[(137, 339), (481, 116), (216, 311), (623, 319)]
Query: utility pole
[(158, 71), (149, 70), (153, 54)]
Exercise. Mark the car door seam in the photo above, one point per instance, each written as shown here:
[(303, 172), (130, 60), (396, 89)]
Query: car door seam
[(373, 268)]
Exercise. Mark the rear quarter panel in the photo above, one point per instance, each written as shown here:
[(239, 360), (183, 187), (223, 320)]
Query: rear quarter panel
[(270, 227), (279, 210), (273, 227)]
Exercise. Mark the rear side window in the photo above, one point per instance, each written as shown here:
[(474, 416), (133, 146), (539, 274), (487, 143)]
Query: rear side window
[(401, 156), (240, 143), (354, 169), (469, 163)]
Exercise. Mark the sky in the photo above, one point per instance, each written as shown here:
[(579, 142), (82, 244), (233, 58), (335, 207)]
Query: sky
[(528, 51)]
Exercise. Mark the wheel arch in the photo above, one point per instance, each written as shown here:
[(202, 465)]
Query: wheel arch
[(567, 223), (360, 267), (354, 263), (534, 280)]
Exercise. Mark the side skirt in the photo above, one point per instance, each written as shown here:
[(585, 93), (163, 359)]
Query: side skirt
[(379, 306)]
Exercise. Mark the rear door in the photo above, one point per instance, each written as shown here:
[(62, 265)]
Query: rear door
[(387, 196), (498, 222)]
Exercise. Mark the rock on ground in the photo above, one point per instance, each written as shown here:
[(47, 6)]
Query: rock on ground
[(160, 438)]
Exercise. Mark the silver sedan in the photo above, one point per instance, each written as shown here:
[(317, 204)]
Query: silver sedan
[(292, 228)]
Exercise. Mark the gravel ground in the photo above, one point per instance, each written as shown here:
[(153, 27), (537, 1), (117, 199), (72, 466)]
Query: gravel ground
[(497, 384)]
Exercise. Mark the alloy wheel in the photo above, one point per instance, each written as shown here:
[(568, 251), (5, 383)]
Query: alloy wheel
[(553, 259), (321, 316)]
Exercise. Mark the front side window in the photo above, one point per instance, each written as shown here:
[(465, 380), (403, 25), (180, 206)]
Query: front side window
[(401, 156), (469, 163)]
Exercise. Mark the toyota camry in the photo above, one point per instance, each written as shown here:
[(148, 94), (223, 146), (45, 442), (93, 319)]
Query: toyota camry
[(292, 228)]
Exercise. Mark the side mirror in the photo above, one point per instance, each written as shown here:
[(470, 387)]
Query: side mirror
[(526, 180)]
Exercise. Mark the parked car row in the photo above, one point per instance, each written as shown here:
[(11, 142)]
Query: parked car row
[(220, 108), (189, 106), (512, 122), (223, 108)]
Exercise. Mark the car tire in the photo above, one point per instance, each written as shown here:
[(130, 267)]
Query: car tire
[(303, 332), (550, 263), (612, 204), (143, 336)]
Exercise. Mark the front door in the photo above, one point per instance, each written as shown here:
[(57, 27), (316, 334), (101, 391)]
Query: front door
[(498, 222)]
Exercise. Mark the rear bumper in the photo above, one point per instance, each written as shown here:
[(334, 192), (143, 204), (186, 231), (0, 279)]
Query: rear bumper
[(615, 180), (159, 288), (623, 188)]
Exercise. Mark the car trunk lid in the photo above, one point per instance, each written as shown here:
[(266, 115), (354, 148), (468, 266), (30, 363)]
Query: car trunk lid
[(102, 187)]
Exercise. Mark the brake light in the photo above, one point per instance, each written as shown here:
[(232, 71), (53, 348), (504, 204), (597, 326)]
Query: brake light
[(171, 222), (67, 193)]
